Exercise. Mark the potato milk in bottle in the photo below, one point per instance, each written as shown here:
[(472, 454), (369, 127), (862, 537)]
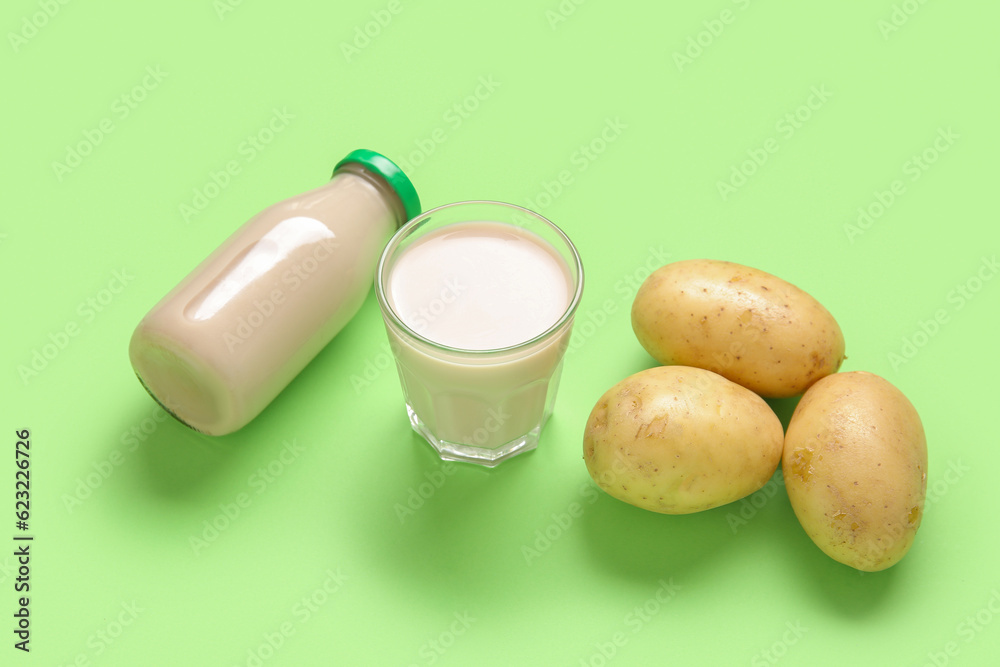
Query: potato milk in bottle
[(223, 343)]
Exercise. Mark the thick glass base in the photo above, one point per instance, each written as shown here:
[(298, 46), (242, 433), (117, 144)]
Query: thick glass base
[(485, 456)]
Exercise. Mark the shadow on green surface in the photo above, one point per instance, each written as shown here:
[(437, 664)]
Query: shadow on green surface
[(455, 534), (784, 408), (447, 531), (846, 591), (452, 535), (633, 543), (175, 460), (178, 460)]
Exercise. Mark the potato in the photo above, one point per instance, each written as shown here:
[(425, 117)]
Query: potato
[(677, 440), (746, 325), (855, 467)]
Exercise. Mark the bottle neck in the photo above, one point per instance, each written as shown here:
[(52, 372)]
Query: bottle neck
[(388, 193)]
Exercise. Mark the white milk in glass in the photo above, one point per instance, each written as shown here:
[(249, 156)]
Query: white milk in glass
[(482, 298)]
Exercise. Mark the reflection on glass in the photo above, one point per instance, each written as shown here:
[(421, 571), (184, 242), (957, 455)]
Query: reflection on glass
[(255, 261)]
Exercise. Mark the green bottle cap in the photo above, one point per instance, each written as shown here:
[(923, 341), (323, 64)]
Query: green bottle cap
[(392, 174)]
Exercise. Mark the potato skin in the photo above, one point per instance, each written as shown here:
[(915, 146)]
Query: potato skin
[(676, 440), (744, 324), (855, 468)]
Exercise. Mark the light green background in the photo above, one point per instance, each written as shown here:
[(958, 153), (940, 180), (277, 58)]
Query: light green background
[(548, 85)]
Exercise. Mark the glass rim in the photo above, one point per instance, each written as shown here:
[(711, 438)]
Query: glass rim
[(411, 226)]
